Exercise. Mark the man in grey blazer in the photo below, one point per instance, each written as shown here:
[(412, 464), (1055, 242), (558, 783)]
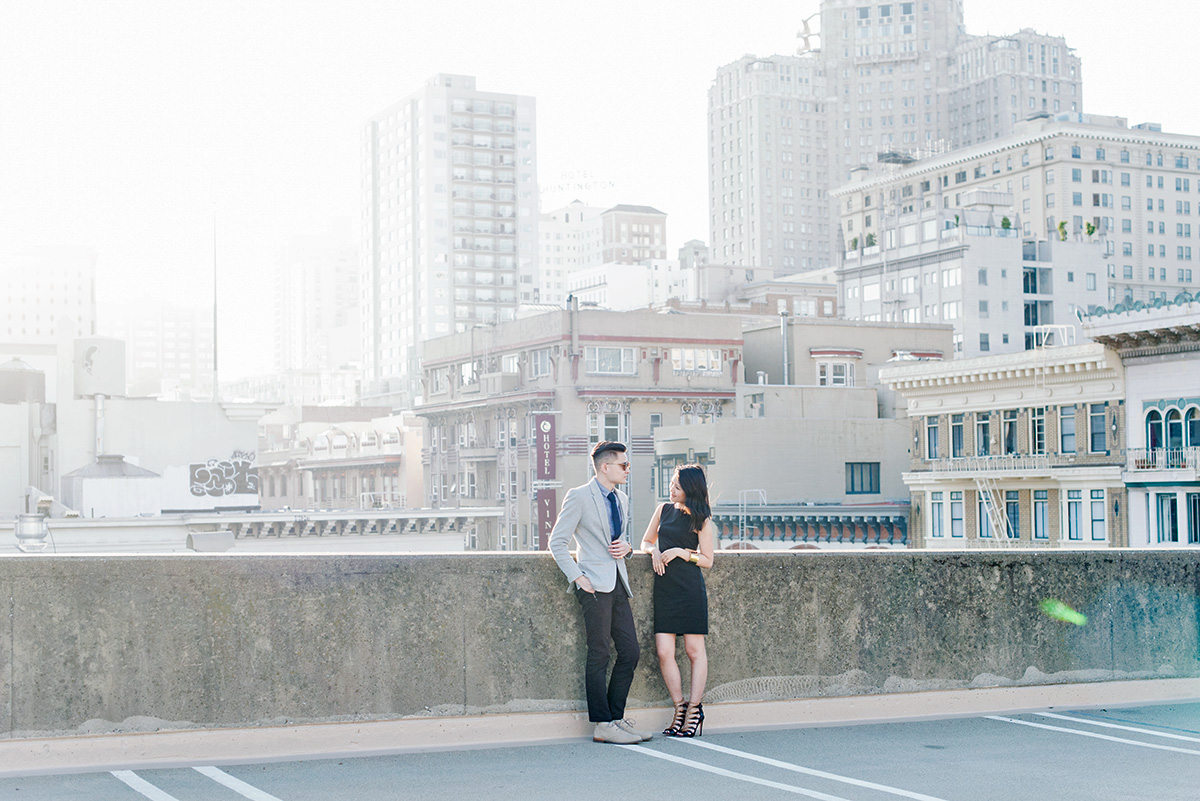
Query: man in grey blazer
[(596, 515)]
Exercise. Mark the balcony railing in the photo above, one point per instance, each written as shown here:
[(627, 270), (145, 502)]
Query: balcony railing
[(976, 464), (1142, 459)]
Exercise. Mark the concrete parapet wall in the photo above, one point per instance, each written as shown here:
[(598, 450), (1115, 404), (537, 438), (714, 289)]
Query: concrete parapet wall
[(119, 643)]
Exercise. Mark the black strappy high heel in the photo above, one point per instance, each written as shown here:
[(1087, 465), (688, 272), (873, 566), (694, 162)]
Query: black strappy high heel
[(677, 723), (693, 722)]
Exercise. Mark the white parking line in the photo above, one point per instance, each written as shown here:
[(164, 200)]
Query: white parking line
[(237, 785), (1118, 726), (814, 772), (142, 786), (745, 777), (1095, 735)]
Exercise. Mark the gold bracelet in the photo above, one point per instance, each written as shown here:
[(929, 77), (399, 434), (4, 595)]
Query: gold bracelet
[(694, 558)]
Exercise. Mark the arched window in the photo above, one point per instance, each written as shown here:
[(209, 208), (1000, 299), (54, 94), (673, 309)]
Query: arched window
[(1192, 424), (1154, 430), (1174, 430)]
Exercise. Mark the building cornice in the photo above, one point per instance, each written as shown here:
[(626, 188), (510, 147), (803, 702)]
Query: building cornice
[(1003, 146), (1082, 372)]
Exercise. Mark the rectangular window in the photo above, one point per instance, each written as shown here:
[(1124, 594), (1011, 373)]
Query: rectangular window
[(984, 518), (1074, 514), (862, 478), (1168, 517), (1012, 512), (931, 437), (1066, 429), (610, 426), (956, 514), (696, 360), (1098, 532), (539, 363), (1097, 439), (1009, 417), (835, 374), (983, 435), (1037, 430), (610, 361), (1193, 502), (956, 436), (1041, 515), (935, 515)]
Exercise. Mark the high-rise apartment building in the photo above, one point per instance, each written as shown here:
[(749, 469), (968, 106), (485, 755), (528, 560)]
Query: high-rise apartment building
[(560, 237), (168, 349), (897, 78), (47, 297), (450, 212), (317, 310), (768, 164)]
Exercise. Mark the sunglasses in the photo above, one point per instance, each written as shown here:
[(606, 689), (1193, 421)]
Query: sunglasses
[(622, 465)]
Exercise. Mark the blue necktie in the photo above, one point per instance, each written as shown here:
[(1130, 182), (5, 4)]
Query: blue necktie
[(614, 514)]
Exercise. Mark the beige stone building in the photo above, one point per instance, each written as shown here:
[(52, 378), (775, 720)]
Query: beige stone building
[(339, 458), (513, 409), (1019, 449), (837, 353), (817, 460), (1159, 346)]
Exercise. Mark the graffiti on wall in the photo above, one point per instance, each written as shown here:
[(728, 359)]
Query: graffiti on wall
[(219, 477)]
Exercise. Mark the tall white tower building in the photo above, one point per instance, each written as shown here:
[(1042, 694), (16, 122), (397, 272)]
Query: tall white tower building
[(450, 212)]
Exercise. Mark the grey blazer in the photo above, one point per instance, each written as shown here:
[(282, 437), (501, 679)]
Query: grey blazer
[(584, 516)]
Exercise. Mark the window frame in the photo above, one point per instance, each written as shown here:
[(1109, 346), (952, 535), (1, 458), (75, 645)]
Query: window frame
[(592, 360)]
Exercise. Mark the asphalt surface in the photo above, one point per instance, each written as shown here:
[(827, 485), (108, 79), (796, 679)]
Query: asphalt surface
[(1149, 752)]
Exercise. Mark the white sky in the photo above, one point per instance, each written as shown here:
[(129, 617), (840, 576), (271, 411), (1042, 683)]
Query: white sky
[(125, 126)]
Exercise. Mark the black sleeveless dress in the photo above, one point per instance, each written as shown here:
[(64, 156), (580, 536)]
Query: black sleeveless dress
[(680, 599)]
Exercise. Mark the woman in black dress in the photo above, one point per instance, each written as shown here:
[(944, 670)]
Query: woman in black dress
[(680, 540)]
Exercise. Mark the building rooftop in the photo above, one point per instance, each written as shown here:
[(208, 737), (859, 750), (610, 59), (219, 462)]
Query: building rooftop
[(636, 209)]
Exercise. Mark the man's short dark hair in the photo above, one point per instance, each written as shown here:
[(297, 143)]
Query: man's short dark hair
[(603, 447)]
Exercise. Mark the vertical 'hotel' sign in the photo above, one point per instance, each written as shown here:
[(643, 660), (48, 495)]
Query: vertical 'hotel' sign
[(546, 470), (544, 440)]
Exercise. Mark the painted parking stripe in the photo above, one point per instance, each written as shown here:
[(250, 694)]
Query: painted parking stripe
[(1095, 735), (745, 777), (235, 784), (813, 771), (1118, 726), (142, 786)]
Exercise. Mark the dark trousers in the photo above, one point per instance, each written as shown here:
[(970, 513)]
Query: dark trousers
[(607, 615)]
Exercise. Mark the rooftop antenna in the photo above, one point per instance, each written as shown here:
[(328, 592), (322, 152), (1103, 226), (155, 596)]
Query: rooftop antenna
[(214, 334)]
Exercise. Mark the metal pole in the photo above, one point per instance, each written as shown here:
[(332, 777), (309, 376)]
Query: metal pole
[(214, 335), (783, 315)]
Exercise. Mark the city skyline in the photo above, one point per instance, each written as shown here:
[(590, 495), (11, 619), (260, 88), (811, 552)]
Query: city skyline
[(143, 127)]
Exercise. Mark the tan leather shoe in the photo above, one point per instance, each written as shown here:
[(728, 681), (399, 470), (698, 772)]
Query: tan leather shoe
[(626, 726), (610, 732)]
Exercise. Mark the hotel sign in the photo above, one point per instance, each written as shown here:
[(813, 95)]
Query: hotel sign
[(545, 445), (547, 516)]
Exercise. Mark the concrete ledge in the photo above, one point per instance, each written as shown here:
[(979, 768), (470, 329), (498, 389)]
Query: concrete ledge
[(120, 644), (172, 749)]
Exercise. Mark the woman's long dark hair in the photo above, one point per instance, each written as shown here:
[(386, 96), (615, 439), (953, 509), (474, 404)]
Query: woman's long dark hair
[(691, 480)]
